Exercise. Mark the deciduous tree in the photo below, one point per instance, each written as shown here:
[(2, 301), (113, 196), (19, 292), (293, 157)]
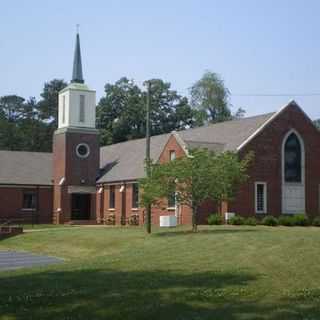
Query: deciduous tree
[(195, 178)]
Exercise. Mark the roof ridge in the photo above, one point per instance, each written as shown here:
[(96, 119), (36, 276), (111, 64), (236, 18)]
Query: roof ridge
[(228, 121), (138, 139)]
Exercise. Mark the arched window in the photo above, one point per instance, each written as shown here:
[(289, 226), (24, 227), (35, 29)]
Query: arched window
[(292, 159)]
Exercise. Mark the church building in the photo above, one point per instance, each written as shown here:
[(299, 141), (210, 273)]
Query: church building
[(81, 182)]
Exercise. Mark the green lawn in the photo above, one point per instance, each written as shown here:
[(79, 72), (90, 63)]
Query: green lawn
[(121, 273)]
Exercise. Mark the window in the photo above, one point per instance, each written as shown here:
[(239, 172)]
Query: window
[(292, 160), (63, 109), (172, 200), (261, 197), (112, 197), (172, 155), (29, 200), (81, 111), (135, 195), (82, 150)]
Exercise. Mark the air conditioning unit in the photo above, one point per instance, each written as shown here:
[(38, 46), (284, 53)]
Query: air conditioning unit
[(229, 215), (168, 221)]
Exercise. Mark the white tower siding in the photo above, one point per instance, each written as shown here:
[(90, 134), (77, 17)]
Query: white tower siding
[(70, 106)]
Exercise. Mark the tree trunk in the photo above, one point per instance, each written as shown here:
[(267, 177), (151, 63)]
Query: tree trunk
[(194, 219)]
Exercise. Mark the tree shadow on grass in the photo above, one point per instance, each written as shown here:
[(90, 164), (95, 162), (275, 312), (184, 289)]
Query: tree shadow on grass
[(163, 233), (108, 294)]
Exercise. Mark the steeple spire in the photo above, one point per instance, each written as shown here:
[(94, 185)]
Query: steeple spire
[(77, 76)]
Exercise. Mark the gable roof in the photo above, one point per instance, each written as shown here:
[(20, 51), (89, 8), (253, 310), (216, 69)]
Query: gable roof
[(230, 134), (125, 161), (29, 168)]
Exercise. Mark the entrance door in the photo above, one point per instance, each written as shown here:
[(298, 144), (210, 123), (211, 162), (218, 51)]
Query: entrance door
[(80, 206)]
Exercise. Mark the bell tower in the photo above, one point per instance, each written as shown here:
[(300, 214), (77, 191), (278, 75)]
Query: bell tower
[(75, 149)]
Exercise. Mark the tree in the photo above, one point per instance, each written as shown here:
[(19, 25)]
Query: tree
[(194, 179), (48, 111), (239, 114), (11, 113), (121, 113), (210, 96), (228, 172)]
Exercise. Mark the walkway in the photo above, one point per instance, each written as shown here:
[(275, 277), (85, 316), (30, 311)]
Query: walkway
[(13, 260)]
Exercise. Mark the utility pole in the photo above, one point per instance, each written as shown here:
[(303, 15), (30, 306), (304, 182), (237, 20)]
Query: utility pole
[(148, 208)]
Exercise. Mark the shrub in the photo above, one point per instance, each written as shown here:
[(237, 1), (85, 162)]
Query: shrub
[(286, 221), (215, 219), (252, 221), (134, 220), (236, 220), (270, 221), (301, 220), (316, 222), (111, 219)]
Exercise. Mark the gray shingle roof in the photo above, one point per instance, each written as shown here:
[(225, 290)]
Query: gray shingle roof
[(229, 133), (19, 167), (125, 161)]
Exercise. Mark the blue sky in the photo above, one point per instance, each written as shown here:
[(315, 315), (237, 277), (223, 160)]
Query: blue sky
[(258, 47)]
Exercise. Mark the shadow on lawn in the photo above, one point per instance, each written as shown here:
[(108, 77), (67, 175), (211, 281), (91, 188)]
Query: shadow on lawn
[(202, 231), (105, 294)]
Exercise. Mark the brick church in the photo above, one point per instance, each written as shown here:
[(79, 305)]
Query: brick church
[(81, 182)]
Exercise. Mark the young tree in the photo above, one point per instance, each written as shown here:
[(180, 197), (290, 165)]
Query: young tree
[(228, 172), (200, 176)]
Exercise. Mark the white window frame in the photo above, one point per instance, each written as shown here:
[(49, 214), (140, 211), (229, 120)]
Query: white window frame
[(172, 155), (132, 195), (265, 197)]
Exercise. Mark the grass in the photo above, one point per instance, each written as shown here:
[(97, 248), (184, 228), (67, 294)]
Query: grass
[(223, 272), (43, 226)]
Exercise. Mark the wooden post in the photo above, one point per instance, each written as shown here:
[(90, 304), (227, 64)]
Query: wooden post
[(148, 208)]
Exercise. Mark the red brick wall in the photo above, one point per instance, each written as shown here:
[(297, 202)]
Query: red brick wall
[(267, 146), (75, 170), (11, 199), (124, 208), (267, 166)]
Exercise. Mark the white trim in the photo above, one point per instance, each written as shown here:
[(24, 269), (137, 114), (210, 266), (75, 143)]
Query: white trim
[(180, 142), (265, 197), (245, 142), (303, 175)]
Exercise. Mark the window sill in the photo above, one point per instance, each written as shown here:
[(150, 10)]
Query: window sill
[(28, 209), (134, 209), (171, 209), (111, 209)]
